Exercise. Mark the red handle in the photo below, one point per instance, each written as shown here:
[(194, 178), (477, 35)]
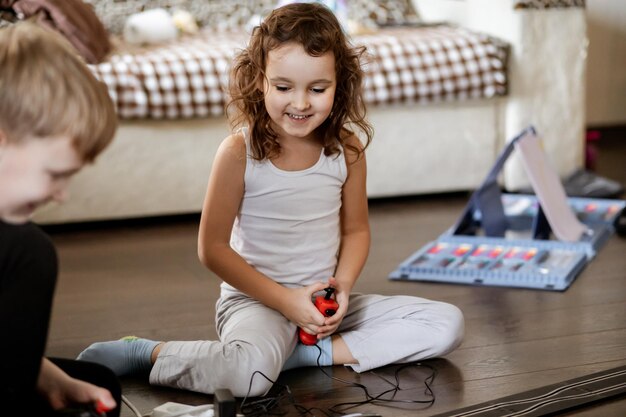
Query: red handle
[(100, 408), (326, 306), (307, 338)]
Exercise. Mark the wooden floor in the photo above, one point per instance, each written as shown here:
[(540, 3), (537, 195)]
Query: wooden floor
[(143, 278)]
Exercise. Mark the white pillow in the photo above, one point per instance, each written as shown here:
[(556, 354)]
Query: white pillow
[(149, 27)]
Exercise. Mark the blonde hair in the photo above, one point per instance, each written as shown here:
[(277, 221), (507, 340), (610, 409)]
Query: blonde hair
[(316, 28), (46, 90)]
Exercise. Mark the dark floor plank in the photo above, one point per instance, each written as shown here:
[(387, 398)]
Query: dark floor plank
[(144, 278)]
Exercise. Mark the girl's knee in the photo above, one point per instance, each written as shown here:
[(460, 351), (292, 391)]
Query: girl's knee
[(249, 382), (252, 385), (451, 328), (253, 372)]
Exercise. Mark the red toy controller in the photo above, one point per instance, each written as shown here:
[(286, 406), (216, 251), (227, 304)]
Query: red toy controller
[(97, 409), (327, 306)]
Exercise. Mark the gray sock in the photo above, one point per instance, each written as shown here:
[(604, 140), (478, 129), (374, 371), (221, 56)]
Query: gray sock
[(304, 355), (129, 355)]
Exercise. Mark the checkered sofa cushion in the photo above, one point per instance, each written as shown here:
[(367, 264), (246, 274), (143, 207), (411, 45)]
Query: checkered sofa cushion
[(186, 78), (432, 64), (179, 79)]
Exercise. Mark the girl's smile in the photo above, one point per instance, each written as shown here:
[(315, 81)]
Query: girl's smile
[(298, 116), (299, 90)]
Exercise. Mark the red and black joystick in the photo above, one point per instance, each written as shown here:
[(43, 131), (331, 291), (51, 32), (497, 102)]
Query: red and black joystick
[(327, 306)]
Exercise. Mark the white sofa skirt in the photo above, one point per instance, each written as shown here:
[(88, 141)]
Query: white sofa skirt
[(161, 167)]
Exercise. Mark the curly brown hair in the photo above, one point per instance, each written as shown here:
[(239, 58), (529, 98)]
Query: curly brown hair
[(316, 28)]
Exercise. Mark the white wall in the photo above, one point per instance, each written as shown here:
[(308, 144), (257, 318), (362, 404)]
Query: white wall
[(547, 69), (606, 62), (606, 54)]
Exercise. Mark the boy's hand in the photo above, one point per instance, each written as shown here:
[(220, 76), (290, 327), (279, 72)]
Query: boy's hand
[(62, 391)]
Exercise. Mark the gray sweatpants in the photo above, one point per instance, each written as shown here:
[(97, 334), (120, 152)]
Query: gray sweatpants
[(378, 330)]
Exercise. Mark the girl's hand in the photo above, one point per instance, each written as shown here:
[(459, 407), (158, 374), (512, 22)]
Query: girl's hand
[(331, 324), (62, 391), (301, 311)]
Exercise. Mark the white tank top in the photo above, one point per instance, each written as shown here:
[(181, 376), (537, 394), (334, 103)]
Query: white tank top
[(288, 223)]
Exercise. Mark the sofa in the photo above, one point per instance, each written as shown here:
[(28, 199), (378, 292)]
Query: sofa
[(430, 137)]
